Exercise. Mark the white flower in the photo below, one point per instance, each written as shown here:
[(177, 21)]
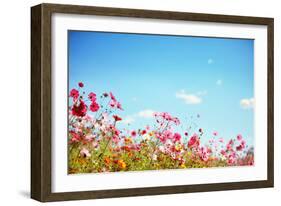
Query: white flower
[(146, 137), (85, 153), (162, 148), (154, 157), (89, 137), (97, 125)]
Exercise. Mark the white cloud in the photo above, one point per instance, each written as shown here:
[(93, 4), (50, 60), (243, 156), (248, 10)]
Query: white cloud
[(202, 93), (128, 120), (188, 98), (148, 113), (247, 103), (219, 82), (210, 61)]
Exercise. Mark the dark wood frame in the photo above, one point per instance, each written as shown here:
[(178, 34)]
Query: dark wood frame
[(41, 101)]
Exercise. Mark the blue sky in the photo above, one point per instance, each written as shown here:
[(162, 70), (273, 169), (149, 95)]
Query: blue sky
[(182, 75)]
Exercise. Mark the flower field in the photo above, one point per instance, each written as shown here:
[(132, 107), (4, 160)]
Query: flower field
[(97, 144)]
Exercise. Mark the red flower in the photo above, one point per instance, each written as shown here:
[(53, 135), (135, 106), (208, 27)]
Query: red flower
[(239, 148), (112, 97), (239, 137), (119, 106), (92, 96), (117, 118), (74, 93), (177, 137), (223, 152), (194, 141), (112, 103), (94, 107), (80, 84), (79, 110), (133, 133), (143, 132), (74, 136)]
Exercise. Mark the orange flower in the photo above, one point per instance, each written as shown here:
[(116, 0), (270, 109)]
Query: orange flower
[(114, 155), (128, 140), (121, 164), (107, 160)]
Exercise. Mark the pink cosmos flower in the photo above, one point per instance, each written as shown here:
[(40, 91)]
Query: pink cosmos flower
[(117, 118), (85, 153), (143, 132), (176, 120), (92, 96), (223, 152), (119, 106), (232, 158), (239, 137), (204, 153), (74, 94), (239, 147), (94, 107), (74, 136), (133, 133), (229, 145), (115, 139), (95, 144), (79, 110), (221, 140), (194, 141), (215, 133), (80, 84), (112, 104), (177, 137), (168, 134), (211, 141), (112, 97)]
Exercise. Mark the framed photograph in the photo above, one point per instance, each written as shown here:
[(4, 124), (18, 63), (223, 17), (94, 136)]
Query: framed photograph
[(130, 102)]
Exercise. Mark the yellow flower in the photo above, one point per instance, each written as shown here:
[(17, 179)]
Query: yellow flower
[(128, 140), (182, 166), (107, 160), (178, 147), (121, 164), (146, 137)]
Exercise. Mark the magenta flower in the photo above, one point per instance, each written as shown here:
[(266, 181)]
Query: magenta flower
[(119, 106), (92, 96), (194, 141), (94, 107), (80, 84), (79, 110), (177, 137), (239, 137), (112, 97), (215, 133), (74, 94), (133, 133)]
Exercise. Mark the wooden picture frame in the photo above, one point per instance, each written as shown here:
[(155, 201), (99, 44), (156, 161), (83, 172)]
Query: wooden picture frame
[(41, 96)]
